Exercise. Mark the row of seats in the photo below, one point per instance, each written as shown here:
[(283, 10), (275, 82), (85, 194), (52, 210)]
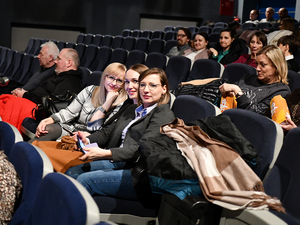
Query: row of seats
[(17, 66)]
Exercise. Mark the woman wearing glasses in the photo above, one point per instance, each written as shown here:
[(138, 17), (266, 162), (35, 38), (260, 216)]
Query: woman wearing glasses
[(93, 106), (120, 140)]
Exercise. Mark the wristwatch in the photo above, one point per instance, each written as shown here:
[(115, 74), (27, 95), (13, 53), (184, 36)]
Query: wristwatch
[(239, 94), (101, 109)]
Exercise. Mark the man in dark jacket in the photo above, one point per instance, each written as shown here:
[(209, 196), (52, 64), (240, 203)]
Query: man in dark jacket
[(67, 77), (48, 54)]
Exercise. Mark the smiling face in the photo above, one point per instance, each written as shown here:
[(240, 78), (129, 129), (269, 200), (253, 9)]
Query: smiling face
[(225, 40), (132, 84), (114, 82), (255, 45), (151, 90), (266, 72), (200, 42)]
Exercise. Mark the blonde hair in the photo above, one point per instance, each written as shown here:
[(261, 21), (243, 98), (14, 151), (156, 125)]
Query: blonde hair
[(99, 94), (163, 81), (276, 57)]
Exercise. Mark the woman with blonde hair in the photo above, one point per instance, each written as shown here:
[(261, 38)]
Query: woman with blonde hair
[(254, 92), (93, 107)]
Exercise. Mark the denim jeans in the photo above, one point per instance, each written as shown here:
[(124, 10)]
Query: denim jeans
[(110, 182), (93, 166)]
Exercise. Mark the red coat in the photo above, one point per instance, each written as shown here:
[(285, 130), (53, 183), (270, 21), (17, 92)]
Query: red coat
[(14, 110)]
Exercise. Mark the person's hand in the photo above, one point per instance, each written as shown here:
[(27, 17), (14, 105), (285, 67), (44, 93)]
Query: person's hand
[(288, 124), (213, 51), (19, 92), (229, 89), (82, 135), (96, 153), (111, 96), (41, 128)]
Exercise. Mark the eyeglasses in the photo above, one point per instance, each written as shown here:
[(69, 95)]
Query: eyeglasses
[(181, 35), (150, 86), (111, 79)]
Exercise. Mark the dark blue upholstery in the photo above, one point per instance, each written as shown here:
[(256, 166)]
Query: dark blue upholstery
[(189, 108), (8, 60), (88, 39), (3, 55), (80, 38), (80, 48), (70, 45), (177, 70), (168, 28), (89, 56), (126, 32), (146, 34), (142, 44), (28, 127), (35, 50), (206, 29), (23, 72), (94, 78), (117, 42), (61, 45), (169, 44), (156, 45), (97, 39), (214, 37), (235, 71), (170, 35), (217, 30), (156, 59), (221, 24), (101, 59), (262, 26), (283, 181), (294, 80), (205, 68), (30, 45), (32, 165), (9, 135), (134, 57), (193, 29), (265, 135), (14, 66), (158, 34), (136, 33), (129, 43), (119, 55), (85, 74), (62, 200), (107, 40), (245, 26)]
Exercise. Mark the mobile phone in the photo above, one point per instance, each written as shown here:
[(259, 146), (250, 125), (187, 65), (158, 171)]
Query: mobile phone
[(80, 144)]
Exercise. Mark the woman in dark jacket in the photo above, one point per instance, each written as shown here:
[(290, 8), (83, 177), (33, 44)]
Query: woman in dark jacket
[(228, 49)]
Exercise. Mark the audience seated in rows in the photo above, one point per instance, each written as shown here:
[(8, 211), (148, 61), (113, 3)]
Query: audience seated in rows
[(253, 17), (269, 16)]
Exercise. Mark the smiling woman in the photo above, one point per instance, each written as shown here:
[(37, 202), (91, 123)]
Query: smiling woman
[(254, 92)]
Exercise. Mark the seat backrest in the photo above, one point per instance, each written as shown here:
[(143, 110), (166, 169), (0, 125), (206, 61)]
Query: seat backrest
[(136, 33), (128, 43), (80, 38), (156, 45), (119, 55), (3, 55), (262, 26), (88, 39), (61, 45), (189, 108), (62, 200), (142, 44), (85, 74), (193, 29), (217, 30), (97, 39), (70, 45), (245, 26), (284, 180), (158, 34), (168, 28), (169, 44), (107, 40), (156, 59), (8, 60), (117, 42), (32, 164), (36, 47), (265, 135), (80, 48), (235, 71), (206, 29), (214, 37), (24, 69), (294, 80), (30, 45), (146, 34), (14, 66), (126, 32), (134, 57), (9, 135), (101, 59), (205, 68), (88, 56), (94, 78), (221, 24), (177, 70), (170, 35)]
